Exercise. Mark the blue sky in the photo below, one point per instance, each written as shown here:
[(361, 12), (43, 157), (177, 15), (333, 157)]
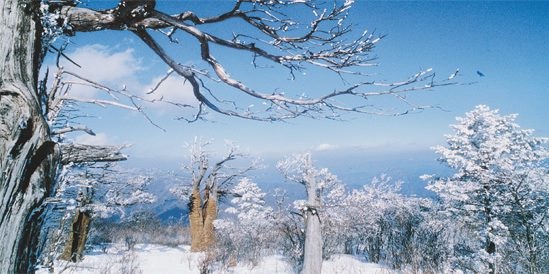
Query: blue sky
[(507, 41)]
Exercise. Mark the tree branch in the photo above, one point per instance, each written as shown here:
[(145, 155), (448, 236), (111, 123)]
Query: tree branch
[(79, 153), (295, 43)]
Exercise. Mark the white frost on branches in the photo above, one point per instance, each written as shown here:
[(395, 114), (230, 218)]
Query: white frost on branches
[(300, 168), (132, 191), (248, 228), (499, 190), (248, 205), (53, 24), (103, 190)]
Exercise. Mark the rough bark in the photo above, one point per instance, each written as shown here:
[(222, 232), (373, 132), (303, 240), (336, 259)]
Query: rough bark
[(28, 158), (79, 153), (76, 242), (196, 221), (312, 260), (201, 218), (209, 215), (87, 20)]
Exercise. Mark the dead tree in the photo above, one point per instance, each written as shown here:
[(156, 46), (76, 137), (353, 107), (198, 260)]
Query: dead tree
[(208, 184), (300, 169), (78, 232), (81, 220), (29, 156), (86, 167)]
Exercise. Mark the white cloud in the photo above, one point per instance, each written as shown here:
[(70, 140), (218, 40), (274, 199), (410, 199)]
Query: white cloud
[(173, 89), (325, 147), (98, 63), (100, 139), (101, 64), (116, 68)]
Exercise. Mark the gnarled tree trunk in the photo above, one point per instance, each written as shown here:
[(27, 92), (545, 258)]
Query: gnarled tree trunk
[(74, 248), (201, 218), (28, 158), (79, 153), (209, 215), (196, 221)]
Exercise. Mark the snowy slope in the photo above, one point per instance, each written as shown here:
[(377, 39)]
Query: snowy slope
[(154, 259)]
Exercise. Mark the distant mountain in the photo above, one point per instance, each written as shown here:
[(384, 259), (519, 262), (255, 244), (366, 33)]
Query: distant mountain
[(174, 215), (354, 167)]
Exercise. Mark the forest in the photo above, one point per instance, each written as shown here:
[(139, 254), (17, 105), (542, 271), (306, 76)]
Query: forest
[(488, 216), (88, 86)]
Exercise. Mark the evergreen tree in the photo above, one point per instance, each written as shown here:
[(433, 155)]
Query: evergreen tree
[(498, 194)]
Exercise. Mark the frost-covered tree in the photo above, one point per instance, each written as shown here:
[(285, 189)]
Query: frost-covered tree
[(498, 194), (378, 222), (93, 191), (247, 229), (290, 228), (357, 217), (208, 183), (269, 32), (301, 169)]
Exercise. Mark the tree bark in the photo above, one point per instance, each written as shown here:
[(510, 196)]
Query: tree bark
[(201, 218), (28, 157), (196, 221), (312, 257), (210, 214), (74, 249), (79, 153)]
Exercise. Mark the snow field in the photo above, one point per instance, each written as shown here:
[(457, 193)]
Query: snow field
[(158, 259)]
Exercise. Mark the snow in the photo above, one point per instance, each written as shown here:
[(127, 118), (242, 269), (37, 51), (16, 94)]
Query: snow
[(148, 258), (270, 264), (151, 258), (350, 264)]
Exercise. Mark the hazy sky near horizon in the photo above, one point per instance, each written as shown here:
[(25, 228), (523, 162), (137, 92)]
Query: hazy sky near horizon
[(507, 41)]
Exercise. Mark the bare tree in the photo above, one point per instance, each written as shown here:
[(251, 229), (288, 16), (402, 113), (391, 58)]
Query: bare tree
[(29, 156), (324, 40), (80, 226), (301, 169), (100, 190), (208, 183)]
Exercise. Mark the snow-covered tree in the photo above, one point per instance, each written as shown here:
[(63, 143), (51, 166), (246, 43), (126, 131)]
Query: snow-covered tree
[(300, 169), (498, 194), (247, 230), (363, 210), (249, 203), (120, 190), (208, 183), (289, 227), (274, 34), (95, 191), (378, 222)]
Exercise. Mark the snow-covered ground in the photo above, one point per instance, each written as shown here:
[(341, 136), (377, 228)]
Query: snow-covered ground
[(154, 259)]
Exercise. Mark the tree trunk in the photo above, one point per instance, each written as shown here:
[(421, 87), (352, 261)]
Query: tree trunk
[(210, 214), (312, 260), (78, 233), (201, 218), (76, 242), (196, 221), (28, 158)]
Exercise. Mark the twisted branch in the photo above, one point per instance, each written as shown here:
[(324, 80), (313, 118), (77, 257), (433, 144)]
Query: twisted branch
[(324, 41)]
